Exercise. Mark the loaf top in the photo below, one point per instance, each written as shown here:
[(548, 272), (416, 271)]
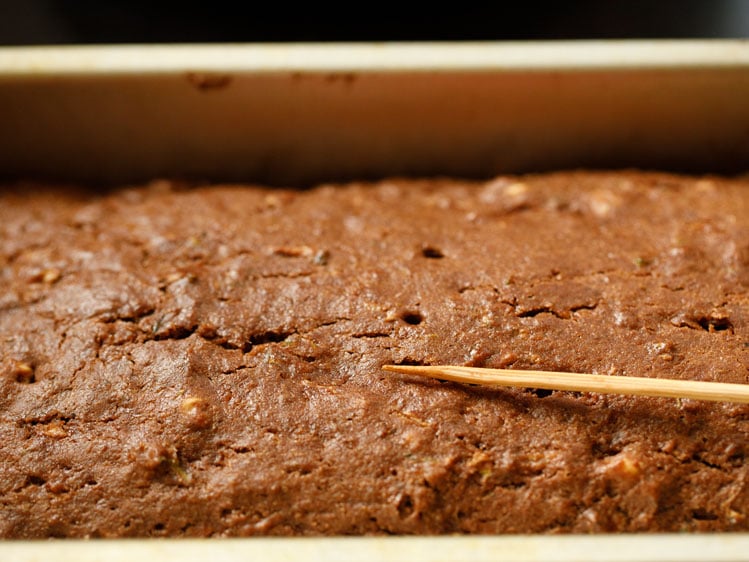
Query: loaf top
[(206, 360)]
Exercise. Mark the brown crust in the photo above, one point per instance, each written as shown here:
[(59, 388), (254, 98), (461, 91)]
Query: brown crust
[(206, 361)]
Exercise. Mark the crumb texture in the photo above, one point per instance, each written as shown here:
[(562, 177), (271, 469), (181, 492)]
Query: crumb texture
[(206, 360)]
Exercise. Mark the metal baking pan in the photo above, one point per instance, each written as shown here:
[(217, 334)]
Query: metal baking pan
[(305, 113), (298, 114)]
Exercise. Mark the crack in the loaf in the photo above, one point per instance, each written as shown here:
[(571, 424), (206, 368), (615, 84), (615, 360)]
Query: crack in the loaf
[(133, 318), (410, 361), (210, 335), (707, 323), (562, 315), (85, 363), (704, 515), (177, 333), (327, 323), (271, 336), (698, 459), (266, 337), (31, 480), (47, 418), (533, 281), (466, 288), (514, 303), (225, 344), (533, 312)]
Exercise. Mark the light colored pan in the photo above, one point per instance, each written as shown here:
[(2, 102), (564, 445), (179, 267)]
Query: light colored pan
[(571, 548), (302, 113)]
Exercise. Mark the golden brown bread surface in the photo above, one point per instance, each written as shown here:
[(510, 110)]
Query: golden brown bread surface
[(205, 361)]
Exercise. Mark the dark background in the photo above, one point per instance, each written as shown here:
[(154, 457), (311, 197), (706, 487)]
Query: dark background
[(29, 22)]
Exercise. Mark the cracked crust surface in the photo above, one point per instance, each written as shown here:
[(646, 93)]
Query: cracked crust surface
[(205, 361)]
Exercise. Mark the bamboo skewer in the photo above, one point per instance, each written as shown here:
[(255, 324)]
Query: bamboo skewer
[(551, 380)]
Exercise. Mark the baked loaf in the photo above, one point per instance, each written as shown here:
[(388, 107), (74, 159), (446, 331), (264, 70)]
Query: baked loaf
[(206, 361)]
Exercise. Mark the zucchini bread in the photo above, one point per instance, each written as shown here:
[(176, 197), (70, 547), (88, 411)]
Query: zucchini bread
[(205, 360)]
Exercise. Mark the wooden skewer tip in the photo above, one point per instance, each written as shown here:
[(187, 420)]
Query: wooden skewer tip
[(405, 369)]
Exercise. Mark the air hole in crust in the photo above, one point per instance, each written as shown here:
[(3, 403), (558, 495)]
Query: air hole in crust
[(405, 506), (23, 372), (413, 317), (715, 324), (703, 515), (432, 252), (24, 378), (541, 392), (410, 361), (35, 480)]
